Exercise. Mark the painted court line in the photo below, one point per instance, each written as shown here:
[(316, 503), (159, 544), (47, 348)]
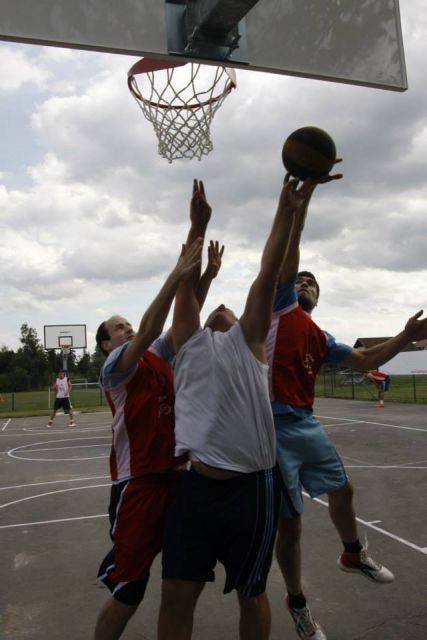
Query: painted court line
[(31, 524), (51, 493), (6, 423), (385, 466), (377, 424), (379, 529), (74, 446), (38, 484)]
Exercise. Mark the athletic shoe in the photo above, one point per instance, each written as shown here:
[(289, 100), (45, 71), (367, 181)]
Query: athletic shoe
[(49, 424), (306, 626), (365, 565), (379, 405), (72, 424)]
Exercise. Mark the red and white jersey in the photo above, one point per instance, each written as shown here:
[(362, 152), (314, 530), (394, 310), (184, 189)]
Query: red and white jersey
[(142, 404), (296, 349), (377, 376)]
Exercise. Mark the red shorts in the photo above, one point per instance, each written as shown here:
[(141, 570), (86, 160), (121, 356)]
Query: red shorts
[(137, 515)]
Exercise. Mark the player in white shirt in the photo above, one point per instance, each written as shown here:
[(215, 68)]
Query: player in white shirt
[(226, 505), (62, 387)]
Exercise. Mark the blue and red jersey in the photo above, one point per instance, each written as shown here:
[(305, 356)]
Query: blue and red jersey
[(296, 349)]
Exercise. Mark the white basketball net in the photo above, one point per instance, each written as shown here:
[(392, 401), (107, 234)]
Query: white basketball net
[(180, 103)]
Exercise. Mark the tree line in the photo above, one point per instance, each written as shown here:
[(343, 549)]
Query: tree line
[(31, 367)]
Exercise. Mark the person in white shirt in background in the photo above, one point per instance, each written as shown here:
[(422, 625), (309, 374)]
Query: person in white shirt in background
[(62, 388)]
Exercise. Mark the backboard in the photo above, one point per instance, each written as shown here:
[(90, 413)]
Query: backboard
[(60, 336), (338, 40)]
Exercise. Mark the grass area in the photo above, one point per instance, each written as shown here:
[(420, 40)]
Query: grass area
[(39, 403), (411, 389)]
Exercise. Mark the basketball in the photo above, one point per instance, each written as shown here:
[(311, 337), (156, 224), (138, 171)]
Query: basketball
[(309, 152)]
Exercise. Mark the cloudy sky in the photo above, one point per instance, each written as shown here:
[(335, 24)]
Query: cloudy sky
[(91, 218)]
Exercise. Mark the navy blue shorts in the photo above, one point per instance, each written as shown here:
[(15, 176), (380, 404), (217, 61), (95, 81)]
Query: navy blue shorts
[(233, 521), (62, 403)]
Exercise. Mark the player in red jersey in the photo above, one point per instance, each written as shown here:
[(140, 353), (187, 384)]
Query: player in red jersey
[(297, 347), (138, 384), (381, 381)]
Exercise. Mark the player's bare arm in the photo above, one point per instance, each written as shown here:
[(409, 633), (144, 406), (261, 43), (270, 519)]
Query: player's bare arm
[(154, 318), (290, 261), (373, 357), (256, 318), (215, 254)]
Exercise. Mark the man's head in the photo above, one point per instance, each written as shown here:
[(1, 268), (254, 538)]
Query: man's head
[(112, 333), (221, 319), (307, 290)]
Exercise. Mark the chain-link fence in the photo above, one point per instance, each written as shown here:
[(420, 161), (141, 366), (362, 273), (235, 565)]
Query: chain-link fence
[(347, 383), (85, 396)]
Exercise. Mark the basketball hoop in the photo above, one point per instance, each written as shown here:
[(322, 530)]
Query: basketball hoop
[(66, 349), (181, 103)]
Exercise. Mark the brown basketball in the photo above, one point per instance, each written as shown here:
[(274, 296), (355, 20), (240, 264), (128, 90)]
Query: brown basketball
[(309, 152)]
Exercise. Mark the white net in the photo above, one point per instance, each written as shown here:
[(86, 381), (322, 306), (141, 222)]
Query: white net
[(181, 102)]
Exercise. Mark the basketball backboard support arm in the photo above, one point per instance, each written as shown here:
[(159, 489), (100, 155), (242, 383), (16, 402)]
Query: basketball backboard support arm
[(345, 41)]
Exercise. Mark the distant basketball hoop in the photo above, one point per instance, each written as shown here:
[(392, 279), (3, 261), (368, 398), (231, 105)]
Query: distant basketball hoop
[(180, 100)]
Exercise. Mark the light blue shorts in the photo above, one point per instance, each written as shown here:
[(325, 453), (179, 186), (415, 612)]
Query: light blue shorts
[(307, 460)]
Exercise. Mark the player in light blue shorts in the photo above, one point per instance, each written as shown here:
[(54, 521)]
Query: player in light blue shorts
[(307, 460)]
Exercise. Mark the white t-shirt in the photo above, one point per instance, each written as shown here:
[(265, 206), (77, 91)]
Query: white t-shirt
[(222, 407), (62, 387)]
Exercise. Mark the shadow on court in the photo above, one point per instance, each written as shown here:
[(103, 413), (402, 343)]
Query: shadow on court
[(54, 491)]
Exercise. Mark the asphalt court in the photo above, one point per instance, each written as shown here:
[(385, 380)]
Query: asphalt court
[(54, 490)]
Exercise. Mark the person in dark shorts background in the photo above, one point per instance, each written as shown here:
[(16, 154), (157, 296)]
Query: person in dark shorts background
[(62, 387)]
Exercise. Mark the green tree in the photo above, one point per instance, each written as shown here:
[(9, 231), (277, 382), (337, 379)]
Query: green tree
[(96, 361), (83, 365), (32, 358)]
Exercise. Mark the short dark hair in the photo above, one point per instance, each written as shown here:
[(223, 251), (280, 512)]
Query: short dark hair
[(308, 274), (101, 335)]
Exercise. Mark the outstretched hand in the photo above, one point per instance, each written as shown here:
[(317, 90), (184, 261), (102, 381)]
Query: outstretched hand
[(200, 210), (214, 259), (188, 260), (416, 329), (296, 193)]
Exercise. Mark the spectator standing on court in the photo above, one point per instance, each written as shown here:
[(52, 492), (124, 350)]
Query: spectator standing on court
[(138, 384), (297, 348), (226, 506), (381, 381), (62, 388)]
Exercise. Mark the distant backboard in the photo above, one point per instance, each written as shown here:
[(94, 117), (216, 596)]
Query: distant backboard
[(350, 41), (59, 336)]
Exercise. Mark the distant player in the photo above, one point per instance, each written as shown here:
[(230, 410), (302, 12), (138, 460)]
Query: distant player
[(381, 381), (62, 387)]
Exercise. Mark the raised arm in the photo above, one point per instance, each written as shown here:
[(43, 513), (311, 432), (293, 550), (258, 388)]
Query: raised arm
[(154, 318), (284, 235), (200, 214), (373, 357), (214, 265), (256, 318), (291, 256), (188, 302)]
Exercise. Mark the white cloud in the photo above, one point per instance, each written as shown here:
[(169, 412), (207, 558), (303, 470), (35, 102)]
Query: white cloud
[(91, 218)]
